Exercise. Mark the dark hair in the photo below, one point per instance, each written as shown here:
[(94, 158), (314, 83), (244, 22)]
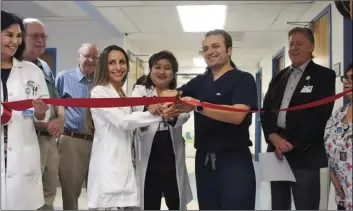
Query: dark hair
[(227, 42), (154, 59), (101, 75), (8, 19), (308, 33), (140, 80), (349, 67)]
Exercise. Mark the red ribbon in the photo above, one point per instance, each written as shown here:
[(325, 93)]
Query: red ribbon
[(138, 101), (6, 115), (299, 107)]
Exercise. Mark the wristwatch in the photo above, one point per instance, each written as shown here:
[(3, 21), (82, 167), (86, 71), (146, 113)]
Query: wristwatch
[(199, 109)]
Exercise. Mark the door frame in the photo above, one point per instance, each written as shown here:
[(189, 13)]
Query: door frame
[(275, 59), (52, 51), (347, 47), (327, 11), (258, 130)]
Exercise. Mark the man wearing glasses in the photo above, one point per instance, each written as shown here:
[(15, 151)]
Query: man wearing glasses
[(75, 144), (35, 39)]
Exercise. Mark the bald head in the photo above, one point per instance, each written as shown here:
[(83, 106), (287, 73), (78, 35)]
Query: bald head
[(88, 57), (35, 38)]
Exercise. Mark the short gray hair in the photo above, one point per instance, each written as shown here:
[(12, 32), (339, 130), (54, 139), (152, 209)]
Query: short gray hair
[(28, 21)]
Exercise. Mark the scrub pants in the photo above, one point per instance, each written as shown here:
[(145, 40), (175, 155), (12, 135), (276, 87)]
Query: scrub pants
[(225, 180)]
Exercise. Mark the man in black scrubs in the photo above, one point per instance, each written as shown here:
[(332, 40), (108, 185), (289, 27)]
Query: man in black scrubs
[(225, 176)]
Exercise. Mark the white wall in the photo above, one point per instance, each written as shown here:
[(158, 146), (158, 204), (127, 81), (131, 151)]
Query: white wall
[(68, 36), (337, 48)]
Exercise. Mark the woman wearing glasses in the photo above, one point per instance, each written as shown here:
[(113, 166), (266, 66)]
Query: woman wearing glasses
[(338, 144)]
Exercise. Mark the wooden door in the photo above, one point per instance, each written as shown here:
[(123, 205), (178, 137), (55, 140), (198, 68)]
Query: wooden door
[(49, 57), (321, 35), (281, 63)]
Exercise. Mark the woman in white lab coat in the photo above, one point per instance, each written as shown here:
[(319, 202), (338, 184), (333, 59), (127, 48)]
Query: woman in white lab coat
[(111, 178), (160, 163), (21, 179)]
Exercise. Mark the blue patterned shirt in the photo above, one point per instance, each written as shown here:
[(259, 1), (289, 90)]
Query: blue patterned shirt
[(73, 84)]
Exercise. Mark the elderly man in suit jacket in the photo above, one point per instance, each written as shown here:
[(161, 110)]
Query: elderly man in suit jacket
[(298, 135)]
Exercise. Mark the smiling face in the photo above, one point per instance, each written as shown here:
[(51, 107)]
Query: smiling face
[(162, 73), (300, 49), (215, 52), (88, 58), (117, 67), (11, 39)]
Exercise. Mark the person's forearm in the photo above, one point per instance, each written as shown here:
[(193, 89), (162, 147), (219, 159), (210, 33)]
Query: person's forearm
[(225, 116), (60, 110), (333, 177), (39, 116)]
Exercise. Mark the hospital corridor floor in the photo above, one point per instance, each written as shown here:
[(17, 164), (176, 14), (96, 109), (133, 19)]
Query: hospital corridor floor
[(263, 197)]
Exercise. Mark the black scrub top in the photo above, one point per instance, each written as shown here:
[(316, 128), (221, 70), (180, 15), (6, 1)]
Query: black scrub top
[(233, 87)]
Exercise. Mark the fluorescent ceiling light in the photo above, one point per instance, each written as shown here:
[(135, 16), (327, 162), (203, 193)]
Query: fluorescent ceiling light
[(199, 62), (202, 18)]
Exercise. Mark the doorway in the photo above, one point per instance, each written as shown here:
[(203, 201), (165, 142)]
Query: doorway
[(257, 115), (49, 56), (278, 62), (322, 35), (347, 46)]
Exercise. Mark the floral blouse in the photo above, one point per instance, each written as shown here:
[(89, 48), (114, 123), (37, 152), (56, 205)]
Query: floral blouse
[(338, 145)]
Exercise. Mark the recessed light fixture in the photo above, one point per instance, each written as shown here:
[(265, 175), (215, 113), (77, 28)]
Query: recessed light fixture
[(202, 18), (199, 62)]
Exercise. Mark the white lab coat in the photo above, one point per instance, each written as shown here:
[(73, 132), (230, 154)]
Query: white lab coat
[(111, 178), (144, 145), (21, 185)]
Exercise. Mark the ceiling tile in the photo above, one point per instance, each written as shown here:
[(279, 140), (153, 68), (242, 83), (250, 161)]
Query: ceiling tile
[(288, 14), (118, 19), (251, 17), (63, 8), (27, 9), (154, 19), (116, 3)]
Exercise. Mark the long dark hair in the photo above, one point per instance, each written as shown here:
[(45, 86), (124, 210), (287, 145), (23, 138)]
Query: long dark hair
[(157, 57), (8, 19), (101, 77)]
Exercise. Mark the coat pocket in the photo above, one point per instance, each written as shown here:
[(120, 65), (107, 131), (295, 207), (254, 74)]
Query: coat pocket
[(30, 161)]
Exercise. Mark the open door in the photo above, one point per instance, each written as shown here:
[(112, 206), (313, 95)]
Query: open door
[(278, 62), (49, 56)]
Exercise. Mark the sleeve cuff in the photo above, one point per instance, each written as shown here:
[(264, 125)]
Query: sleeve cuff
[(46, 118)]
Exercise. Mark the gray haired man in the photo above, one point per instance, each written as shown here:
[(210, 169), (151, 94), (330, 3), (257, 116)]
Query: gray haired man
[(35, 39)]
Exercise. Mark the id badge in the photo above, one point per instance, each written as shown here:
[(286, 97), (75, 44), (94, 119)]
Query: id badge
[(343, 156), (28, 113), (306, 89)]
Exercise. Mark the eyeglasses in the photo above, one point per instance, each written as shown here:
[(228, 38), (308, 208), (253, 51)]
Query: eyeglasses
[(90, 57), (37, 36), (346, 78)]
